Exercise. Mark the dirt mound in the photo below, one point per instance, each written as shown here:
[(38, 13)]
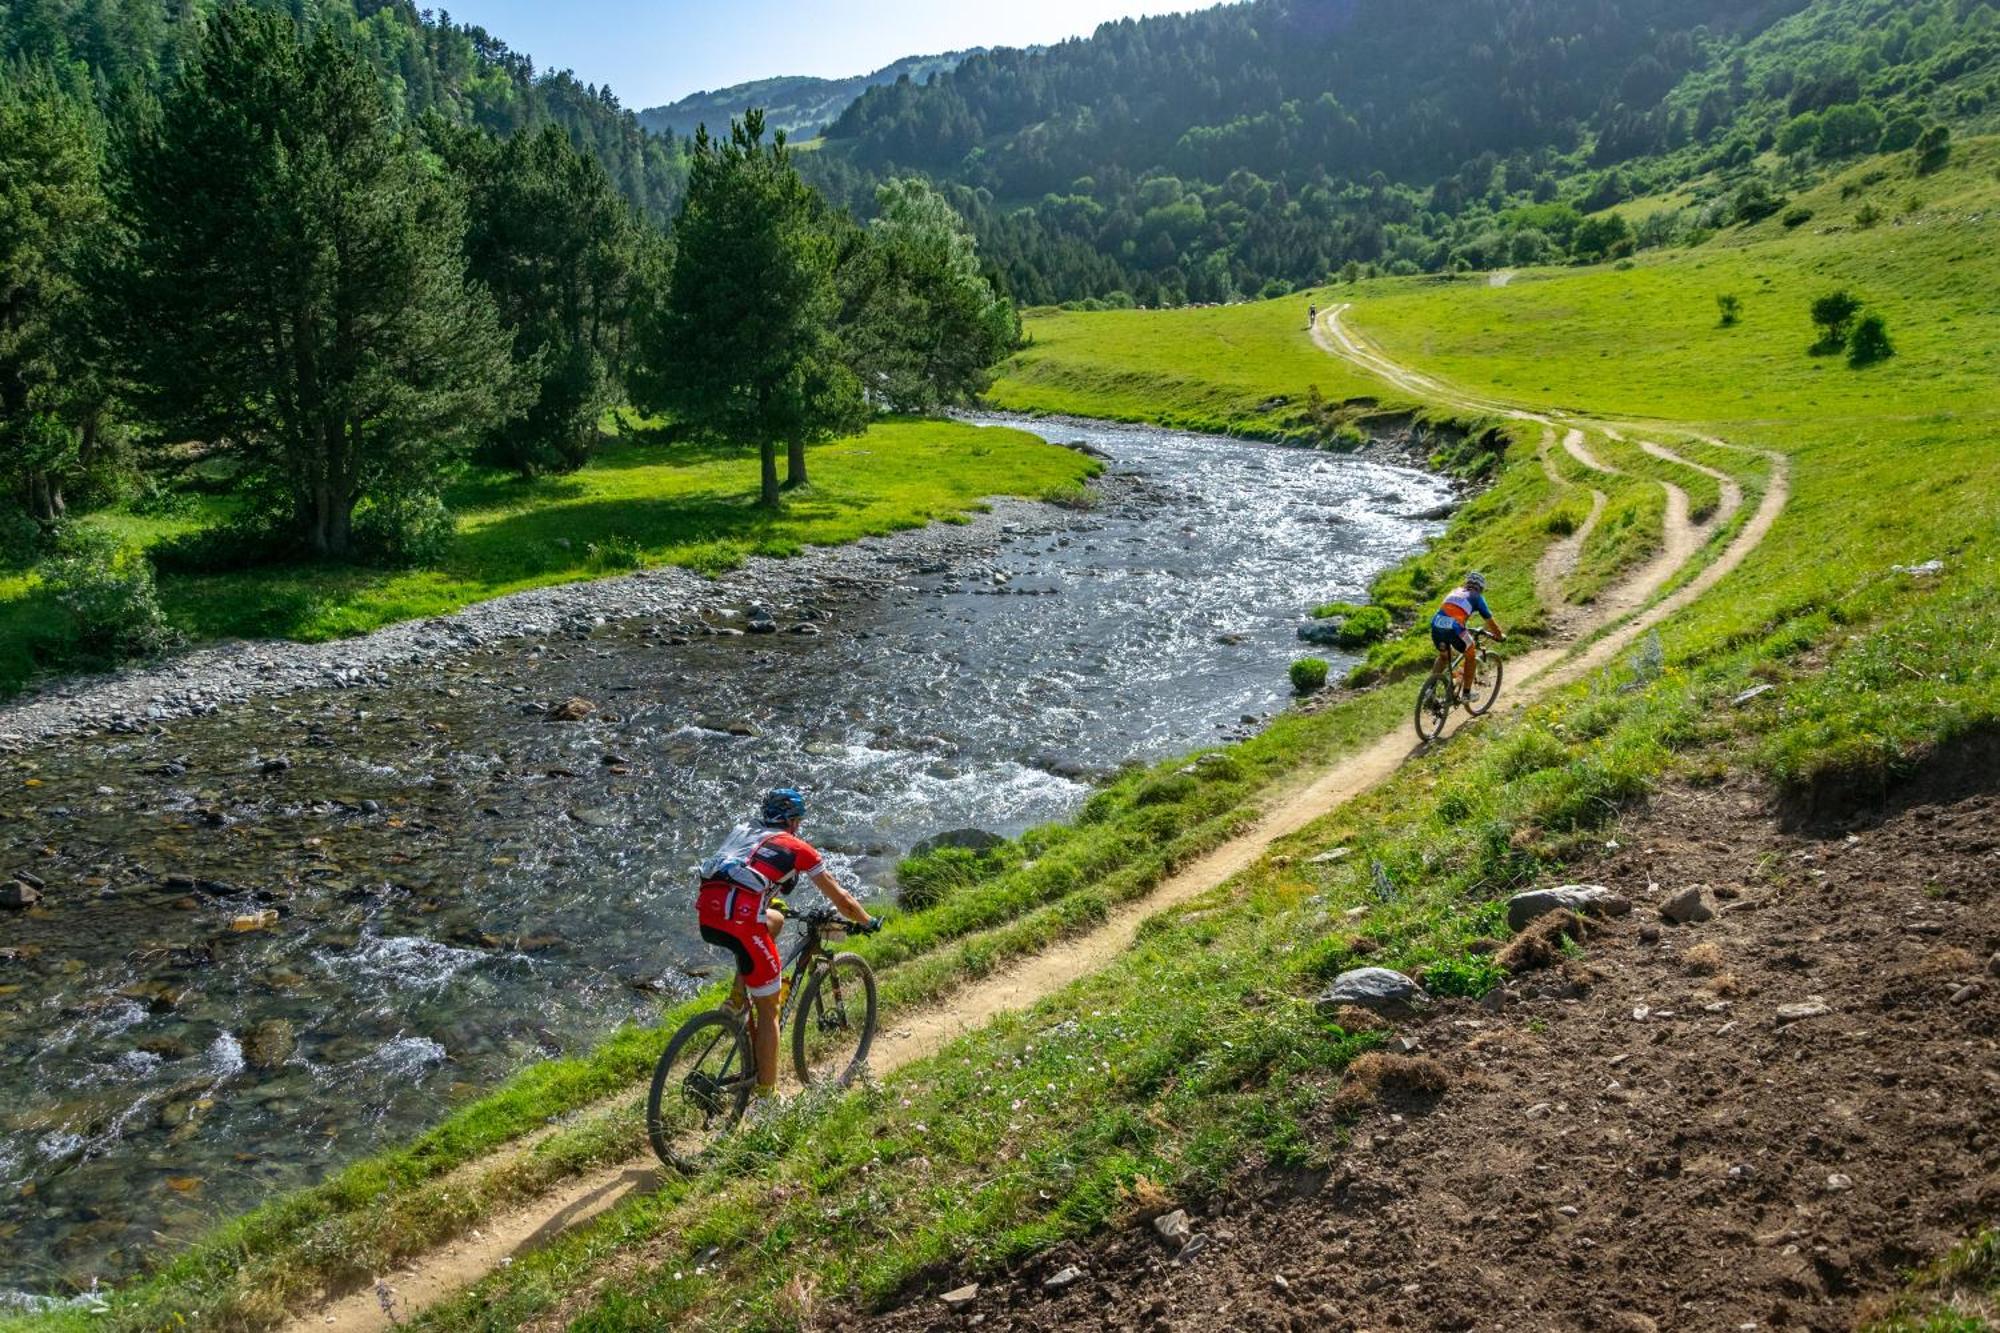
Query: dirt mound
[(1757, 1121)]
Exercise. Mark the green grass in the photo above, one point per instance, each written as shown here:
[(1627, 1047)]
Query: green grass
[(1038, 1127), (1248, 369), (1197, 1051), (639, 503), (1960, 1293)]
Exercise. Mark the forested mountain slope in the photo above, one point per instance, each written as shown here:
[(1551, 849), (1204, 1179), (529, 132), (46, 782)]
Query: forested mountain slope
[(796, 104), (427, 61), (1264, 145)]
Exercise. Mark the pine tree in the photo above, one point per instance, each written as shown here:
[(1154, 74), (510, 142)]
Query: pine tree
[(296, 285), (743, 346), (51, 210), (924, 324)]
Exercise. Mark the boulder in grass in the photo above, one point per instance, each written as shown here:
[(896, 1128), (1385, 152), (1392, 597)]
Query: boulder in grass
[(1379, 989), (1587, 899)]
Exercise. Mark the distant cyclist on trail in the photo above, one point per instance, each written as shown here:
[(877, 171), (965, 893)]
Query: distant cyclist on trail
[(738, 911), (1312, 315), (1448, 629)]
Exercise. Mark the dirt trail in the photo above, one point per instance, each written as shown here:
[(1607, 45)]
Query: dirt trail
[(460, 1263), (1560, 560)]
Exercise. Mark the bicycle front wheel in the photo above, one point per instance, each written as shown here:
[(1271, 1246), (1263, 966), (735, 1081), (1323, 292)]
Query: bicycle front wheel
[(1433, 708), (700, 1086), (1486, 683), (835, 1024)]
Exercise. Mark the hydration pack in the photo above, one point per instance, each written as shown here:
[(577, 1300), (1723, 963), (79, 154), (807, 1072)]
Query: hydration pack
[(732, 861)]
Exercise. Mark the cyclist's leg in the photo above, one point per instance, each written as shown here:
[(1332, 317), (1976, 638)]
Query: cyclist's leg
[(1470, 665), (763, 981), (764, 1037)]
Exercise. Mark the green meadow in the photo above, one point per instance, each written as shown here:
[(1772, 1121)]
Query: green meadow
[(639, 503), (1051, 1123)]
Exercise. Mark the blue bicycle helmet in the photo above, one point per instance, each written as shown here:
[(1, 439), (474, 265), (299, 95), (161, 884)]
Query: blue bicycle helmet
[(782, 805)]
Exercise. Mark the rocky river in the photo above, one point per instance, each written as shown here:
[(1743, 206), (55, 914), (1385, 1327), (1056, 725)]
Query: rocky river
[(277, 906)]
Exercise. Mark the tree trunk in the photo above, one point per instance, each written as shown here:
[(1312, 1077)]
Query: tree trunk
[(795, 465), (769, 456), (45, 497)]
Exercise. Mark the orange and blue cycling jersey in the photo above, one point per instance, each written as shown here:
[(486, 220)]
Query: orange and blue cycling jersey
[(1460, 605)]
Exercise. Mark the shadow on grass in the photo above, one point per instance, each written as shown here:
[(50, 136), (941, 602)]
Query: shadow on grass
[(708, 531)]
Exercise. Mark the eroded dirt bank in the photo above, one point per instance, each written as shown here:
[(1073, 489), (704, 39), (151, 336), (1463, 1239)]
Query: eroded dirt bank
[(1643, 1137)]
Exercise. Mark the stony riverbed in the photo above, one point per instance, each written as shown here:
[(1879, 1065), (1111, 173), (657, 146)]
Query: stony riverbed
[(298, 901)]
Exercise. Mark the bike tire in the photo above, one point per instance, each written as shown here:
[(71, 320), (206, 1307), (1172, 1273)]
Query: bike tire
[(702, 1037), (1499, 669), (833, 993), (1431, 718)]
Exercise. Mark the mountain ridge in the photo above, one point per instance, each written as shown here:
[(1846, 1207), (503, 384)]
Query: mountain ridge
[(792, 102)]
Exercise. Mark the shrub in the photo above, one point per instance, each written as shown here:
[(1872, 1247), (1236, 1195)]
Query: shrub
[(1731, 307), (241, 543), (403, 531), (1933, 150), (108, 597), (1900, 133), (1867, 216), (21, 538), (1834, 314), (1870, 342), (613, 553), (1796, 217), (1309, 674), (1363, 626)]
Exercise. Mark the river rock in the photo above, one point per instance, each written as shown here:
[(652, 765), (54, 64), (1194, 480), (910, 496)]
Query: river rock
[(17, 895), (1324, 632), (1435, 512), (970, 839), (1687, 906), (1588, 899), (573, 709), (268, 1044), (595, 818), (760, 621), (1381, 989)]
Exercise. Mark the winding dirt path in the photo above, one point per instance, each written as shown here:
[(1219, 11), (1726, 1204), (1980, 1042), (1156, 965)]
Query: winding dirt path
[(1553, 570), (1616, 619)]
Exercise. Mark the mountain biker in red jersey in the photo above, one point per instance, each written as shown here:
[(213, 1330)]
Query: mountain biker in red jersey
[(735, 910), (1448, 629)]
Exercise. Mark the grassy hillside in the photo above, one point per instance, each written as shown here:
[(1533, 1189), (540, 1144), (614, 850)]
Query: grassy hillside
[(639, 503), (1249, 369), (1062, 1120)]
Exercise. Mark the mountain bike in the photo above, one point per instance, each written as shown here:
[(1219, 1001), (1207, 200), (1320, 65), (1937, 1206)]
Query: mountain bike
[(704, 1080), (1443, 692)]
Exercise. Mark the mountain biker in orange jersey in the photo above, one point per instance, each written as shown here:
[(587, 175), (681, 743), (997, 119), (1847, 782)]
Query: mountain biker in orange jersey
[(1448, 628), (736, 912)]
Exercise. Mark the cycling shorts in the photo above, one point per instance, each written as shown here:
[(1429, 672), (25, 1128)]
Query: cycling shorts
[(1455, 636), (744, 933)]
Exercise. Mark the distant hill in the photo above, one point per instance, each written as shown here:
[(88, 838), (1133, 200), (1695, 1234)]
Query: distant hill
[(799, 105)]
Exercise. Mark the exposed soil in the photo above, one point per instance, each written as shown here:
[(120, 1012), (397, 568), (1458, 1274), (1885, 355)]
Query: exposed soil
[(1638, 1141)]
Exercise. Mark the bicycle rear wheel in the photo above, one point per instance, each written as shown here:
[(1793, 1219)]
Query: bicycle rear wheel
[(700, 1086), (1486, 683), (1433, 708), (835, 1024)]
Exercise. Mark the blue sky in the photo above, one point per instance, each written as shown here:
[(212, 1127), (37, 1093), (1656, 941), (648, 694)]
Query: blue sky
[(651, 54)]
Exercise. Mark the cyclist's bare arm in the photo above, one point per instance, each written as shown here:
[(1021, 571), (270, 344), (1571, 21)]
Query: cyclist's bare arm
[(844, 902), (1493, 628)]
